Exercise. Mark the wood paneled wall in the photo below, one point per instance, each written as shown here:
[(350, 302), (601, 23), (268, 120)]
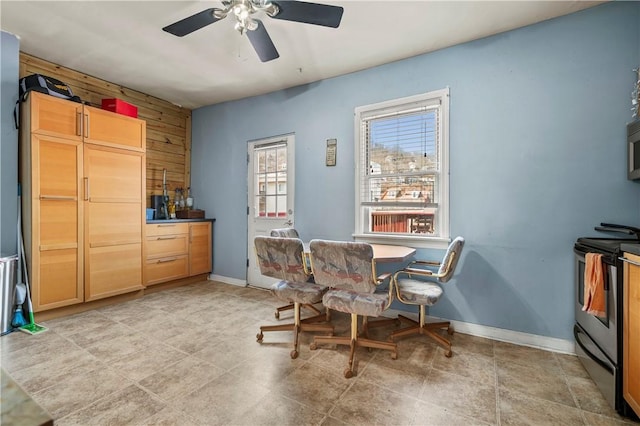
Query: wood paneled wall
[(168, 126)]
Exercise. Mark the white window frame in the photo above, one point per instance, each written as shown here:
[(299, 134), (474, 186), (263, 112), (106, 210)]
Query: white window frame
[(414, 240)]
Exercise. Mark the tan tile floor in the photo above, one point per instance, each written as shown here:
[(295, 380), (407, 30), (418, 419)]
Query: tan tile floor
[(189, 356)]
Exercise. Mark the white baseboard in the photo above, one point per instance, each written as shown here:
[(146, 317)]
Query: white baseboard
[(227, 280), (501, 334)]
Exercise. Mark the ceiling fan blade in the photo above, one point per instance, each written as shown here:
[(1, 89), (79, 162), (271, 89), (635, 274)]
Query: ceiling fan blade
[(262, 43), (309, 13), (192, 23)]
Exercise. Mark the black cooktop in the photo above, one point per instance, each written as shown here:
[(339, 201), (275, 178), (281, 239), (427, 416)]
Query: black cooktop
[(610, 245)]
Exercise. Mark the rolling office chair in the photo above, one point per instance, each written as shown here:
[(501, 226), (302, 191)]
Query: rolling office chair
[(290, 233), (348, 269), (413, 291), (283, 258)]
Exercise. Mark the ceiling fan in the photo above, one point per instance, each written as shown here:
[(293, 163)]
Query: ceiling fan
[(243, 10)]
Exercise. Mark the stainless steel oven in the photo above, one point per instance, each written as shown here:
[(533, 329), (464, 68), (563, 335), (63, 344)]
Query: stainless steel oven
[(599, 338)]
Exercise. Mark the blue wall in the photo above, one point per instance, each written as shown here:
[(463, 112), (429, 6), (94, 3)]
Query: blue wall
[(537, 158), (9, 64)]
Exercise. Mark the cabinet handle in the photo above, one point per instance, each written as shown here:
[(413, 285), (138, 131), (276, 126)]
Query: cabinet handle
[(164, 226), (57, 198), (79, 124), (166, 260), (86, 189), (165, 238), (87, 126)]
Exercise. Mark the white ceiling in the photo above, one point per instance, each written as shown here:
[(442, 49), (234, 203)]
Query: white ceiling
[(123, 42)]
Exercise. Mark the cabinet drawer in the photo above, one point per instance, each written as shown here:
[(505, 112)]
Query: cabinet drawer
[(166, 269), (167, 229), (167, 245)]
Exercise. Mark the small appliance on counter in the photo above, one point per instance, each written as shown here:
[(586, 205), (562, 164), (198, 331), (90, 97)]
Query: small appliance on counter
[(157, 203)]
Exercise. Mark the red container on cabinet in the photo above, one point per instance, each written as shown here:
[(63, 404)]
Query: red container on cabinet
[(119, 106)]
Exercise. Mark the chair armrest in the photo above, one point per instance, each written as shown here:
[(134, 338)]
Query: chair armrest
[(417, 271), (426, 262), (383, 277)]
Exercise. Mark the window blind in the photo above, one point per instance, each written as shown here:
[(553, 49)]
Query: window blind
[(401, 157)]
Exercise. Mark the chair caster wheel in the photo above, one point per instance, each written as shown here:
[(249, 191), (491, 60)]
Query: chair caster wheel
[(294, 354), (394, 355), (448, 353), (348, 373), (259, 337), (313, 346), (277, 315)]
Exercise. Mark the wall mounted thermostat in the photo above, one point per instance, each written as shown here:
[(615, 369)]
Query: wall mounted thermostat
[(332, 149)]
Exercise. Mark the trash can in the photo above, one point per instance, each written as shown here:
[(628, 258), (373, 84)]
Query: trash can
[(7, 298)]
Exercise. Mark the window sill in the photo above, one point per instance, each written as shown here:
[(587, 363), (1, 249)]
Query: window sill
[(405, 240)]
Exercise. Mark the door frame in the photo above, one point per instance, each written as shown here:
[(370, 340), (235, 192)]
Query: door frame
[(253, 276)]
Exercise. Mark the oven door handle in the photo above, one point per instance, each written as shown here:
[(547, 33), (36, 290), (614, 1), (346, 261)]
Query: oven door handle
[(592, 356), (624, 259)]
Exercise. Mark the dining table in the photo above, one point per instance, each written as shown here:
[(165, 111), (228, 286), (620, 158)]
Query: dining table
[(386, 253), (382, 253)]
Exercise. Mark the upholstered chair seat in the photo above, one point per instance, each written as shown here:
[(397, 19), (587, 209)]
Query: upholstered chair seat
[(301, 292)]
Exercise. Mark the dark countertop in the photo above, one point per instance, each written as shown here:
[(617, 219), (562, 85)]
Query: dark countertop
[(631, 248), (149, 222)]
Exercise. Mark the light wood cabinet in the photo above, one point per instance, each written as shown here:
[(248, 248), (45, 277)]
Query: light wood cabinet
[(167, 252), (113, 221), (116, 130), (200, 235), (177, 250), (83, 201), (631, 332), (48, 115), (51, 176)]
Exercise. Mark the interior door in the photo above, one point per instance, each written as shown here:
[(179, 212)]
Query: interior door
[(270, 195)]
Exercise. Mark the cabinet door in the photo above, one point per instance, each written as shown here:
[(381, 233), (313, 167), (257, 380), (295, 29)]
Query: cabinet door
[(55, 222), (114, 213), (631, 332), (110, 129), (54, 117), (199, 248)]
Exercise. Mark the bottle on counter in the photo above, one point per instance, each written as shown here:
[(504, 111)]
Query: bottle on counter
[(189, 202), (179, 199)]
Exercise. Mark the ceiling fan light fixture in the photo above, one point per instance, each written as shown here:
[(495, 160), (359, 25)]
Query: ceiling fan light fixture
[(243, 11)]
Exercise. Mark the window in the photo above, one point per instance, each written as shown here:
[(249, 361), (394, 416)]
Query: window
[(402, 175), (270, 178)]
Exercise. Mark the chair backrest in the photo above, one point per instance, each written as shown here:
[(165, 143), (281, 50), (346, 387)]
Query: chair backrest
[(450, 260), (343, 264), (285, 233), (281, 258)]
